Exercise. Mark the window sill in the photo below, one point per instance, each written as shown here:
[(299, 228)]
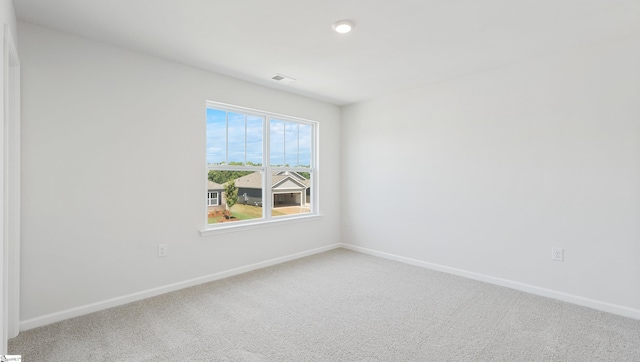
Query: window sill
[(257, 225)]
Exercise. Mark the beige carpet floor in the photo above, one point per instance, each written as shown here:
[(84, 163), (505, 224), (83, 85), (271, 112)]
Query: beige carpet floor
[(339, 306)]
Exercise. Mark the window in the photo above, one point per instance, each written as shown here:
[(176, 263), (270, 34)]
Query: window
[(264, 166), (212, 199)]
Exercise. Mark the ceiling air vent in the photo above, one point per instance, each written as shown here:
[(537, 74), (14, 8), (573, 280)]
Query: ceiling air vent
[(282, 78)]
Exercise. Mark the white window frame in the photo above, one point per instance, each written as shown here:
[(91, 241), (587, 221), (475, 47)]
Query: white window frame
[(209, 198), (267, 170)]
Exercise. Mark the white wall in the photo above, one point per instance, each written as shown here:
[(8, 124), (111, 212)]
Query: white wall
[(8, 17), (113, 165), (486, 173), (7, 250)]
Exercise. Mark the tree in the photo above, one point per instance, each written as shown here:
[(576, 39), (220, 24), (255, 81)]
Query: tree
[(222, 177), (231, 194)]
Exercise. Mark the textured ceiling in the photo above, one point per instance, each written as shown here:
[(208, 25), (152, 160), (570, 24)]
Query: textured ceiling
[(396, 45)]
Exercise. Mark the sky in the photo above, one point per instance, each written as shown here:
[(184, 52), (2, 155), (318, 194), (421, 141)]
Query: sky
[(236, 137)]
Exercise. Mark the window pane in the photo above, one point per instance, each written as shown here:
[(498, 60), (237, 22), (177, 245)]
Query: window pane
[(304, 157), (236, 138), (216, 136), (244, 204), (276, 138), (290, 144), (254, 140), (291, 193)]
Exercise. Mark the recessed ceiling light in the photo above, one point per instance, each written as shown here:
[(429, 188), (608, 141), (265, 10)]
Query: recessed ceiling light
[(343, 26)]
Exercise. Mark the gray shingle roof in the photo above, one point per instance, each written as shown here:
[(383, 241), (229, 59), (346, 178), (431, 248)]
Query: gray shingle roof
[(250, 181), (215, 186), (254, 180)]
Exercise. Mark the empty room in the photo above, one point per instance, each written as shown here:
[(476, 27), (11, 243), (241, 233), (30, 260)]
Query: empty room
[(293, 180)]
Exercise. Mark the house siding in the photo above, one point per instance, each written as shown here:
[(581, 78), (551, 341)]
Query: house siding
[(253, 196), (221, 202)]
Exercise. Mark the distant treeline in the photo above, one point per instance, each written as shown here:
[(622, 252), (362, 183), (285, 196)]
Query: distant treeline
[(221, 177)]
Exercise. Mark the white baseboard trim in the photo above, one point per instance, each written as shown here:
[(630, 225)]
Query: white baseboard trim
[(570, 298), (114, 302)]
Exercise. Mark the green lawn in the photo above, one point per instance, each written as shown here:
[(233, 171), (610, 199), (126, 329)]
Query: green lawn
[(244, 212)]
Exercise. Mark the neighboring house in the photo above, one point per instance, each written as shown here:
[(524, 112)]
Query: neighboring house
[(249, 189), (288, 189), (215, 195)]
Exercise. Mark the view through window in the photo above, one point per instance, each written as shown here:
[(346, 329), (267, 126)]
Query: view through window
[(260, 166)]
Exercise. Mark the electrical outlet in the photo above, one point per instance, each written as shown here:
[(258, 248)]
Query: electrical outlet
[(162, 250), (557, 254)]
